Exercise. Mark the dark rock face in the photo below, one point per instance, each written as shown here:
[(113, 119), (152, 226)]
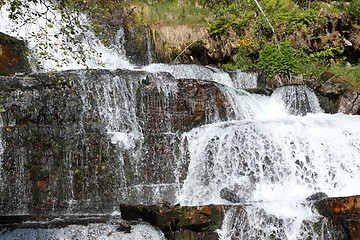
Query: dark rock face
[(57, 152), (12, 55), (317, 196), (46, 155)]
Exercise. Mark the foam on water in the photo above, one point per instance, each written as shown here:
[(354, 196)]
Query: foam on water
[(100, 231), (236, 79), (274, 164)]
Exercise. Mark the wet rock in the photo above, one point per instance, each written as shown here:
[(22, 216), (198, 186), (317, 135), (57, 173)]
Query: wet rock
[(261, 91), (280, 81), (327, 104), (178, 222), (12, 56), (313, 202), (126, 228), (53, 131), (317, 196), (178, 105), (344, 212), (230, 195)]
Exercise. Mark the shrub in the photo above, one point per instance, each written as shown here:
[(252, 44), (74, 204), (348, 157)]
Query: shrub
[(281, 58)]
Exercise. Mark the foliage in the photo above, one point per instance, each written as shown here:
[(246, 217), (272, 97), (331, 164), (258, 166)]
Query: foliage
[(236, 16), (241, 59), (353, 9), (331, 55), (43, 17), (281, 58)]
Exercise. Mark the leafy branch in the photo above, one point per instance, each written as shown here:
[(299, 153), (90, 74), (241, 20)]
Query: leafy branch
[(65, 20)]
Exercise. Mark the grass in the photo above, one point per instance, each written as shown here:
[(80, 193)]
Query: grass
[(173, 12), (351, 74)]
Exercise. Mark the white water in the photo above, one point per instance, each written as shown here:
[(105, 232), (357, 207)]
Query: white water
[(273, 162), (99, 231), (189, 71), (283, 159), (114, 98), (50, 49), (298, 100)]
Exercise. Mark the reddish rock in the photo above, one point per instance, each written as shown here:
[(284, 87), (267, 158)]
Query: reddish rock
[(179, 222), (12, 55), (344, 212)]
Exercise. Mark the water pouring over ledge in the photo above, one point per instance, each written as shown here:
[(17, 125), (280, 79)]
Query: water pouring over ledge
[(269, 158)]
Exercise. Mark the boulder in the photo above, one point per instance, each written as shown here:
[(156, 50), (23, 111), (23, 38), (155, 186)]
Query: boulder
[(349, 102), (333, 87), (179, 222), (344, 213)]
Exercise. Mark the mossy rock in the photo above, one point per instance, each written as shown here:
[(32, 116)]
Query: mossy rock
[(12, 56)]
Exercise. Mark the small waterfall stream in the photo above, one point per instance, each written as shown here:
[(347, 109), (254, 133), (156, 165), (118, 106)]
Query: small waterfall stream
[(270, 153)]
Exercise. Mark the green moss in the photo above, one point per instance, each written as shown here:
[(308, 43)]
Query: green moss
[(350, 74)]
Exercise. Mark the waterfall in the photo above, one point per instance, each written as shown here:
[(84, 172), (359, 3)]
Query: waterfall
[(237, 79), (137, 138), (299, 100), (49, 48), (273, 164)]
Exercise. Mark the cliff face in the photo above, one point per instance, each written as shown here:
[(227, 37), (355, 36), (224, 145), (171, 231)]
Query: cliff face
[(61, 150)]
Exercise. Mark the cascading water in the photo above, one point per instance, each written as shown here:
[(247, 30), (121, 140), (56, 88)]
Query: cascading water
[(299, 100), (274, 164), (49, 48), (267, 153)]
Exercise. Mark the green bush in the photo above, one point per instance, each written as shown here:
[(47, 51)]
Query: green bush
[(281, 59)]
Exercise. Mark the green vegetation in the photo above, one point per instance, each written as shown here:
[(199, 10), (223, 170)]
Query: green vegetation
[(351, 74), (281, 58), (282, 37), (172, 12), (300, 45)]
